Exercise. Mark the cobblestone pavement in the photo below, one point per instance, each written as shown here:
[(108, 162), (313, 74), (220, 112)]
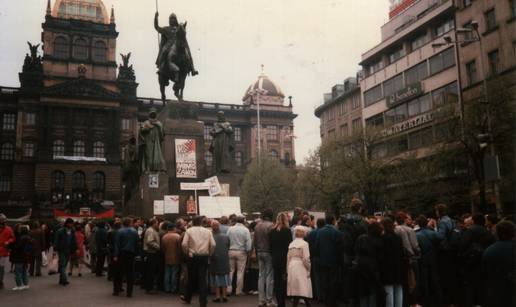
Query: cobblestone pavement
[(89, 290)]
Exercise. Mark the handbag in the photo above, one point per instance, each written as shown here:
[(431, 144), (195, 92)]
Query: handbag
[(53, 265), (44, 259)]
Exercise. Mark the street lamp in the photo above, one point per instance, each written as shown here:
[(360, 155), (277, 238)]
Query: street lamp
[(473, 28)]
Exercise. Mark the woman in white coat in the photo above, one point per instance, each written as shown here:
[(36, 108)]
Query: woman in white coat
[(299, 285)]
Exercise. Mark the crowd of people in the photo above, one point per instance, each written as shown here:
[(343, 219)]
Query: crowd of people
[(392, 260)]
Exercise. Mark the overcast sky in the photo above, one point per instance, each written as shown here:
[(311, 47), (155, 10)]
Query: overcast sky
[(307, 46)]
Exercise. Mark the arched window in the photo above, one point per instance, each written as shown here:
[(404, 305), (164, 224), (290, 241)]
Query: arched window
[(208, 157), (61, 48), (78, 185), (98, 149), (99, 186), (274, 154), (58, 183), (238, 158), (78, 149), (58, 148), (99, 51), (7, 151), (80, 49)]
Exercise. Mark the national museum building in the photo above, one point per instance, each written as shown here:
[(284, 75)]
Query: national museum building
[(64, 129)]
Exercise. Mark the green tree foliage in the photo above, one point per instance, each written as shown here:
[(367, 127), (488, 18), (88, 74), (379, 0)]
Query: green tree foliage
[(267, 184)]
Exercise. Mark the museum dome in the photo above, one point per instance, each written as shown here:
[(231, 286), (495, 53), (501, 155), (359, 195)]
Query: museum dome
[(264, 86), (92, 10)]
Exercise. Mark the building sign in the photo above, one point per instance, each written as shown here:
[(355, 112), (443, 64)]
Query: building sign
[(405, 94), (408, 124), (186, 164)]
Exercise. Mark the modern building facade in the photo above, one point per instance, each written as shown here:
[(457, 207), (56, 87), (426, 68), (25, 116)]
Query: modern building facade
[(64, 129), (406, 81)]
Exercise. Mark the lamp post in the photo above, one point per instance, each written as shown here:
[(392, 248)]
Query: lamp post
[(447, 41)]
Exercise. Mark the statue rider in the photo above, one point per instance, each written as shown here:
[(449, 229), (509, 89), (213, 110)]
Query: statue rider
[(166, 50)]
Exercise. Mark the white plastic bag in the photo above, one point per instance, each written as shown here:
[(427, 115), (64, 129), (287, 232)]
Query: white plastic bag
[(44, 259)]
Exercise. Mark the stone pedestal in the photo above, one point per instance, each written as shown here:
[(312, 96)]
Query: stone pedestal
[(144, 203)]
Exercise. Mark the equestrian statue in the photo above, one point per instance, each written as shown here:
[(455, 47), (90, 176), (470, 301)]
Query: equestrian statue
[(174, 60)]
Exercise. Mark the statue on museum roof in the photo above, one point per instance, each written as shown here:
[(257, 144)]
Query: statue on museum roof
[(151, 139), (126, 71), (174, 60), (222, 145), (32, 62)]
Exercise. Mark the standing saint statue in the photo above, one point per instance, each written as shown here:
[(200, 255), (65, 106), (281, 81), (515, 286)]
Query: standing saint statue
[(174, 60), (151, 137), (222, 145)]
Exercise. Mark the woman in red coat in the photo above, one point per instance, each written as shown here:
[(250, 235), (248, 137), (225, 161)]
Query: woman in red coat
[(77, 258)]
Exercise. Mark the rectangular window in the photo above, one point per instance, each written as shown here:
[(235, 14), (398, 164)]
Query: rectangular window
[(343, 108), (373, 95), (356, 101), (425, 103), (416, 74), (357, 125), (28, 150), (443, 28), (396, 54), (419, 42), (376, 67), (125, 124), (490, 17), (513, 8), (494, 62), (331, 134), (469, 35), (421, 138), (30, 119), (393, 85), (272, 133), (9, 121), (331, 113), (397, 145), (375, 121), (471, 72), (207, 135), (344, 131), (238, 134), (5, 184), (442, 61)]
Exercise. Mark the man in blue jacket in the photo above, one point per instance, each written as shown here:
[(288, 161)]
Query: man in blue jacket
[(124, 251), (65, 245), (328, 247)]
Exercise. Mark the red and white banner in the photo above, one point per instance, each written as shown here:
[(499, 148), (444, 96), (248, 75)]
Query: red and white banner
[(186, 163)]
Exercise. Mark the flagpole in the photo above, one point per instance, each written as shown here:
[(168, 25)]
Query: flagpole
[(157, 12)]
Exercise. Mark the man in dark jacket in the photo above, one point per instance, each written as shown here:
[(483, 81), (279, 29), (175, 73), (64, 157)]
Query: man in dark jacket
[(475, 240), (498, 265), (124, 251), (328, 249), (101, 240), (65, 245)]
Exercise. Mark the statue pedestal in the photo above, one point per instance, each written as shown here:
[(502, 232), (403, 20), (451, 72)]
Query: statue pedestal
[(142, 202)]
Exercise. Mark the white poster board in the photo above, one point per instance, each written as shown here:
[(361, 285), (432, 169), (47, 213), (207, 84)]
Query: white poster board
[(194, 186), (216, 207), (215, 188), (159, 208), (186, 163), (171, 204)]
